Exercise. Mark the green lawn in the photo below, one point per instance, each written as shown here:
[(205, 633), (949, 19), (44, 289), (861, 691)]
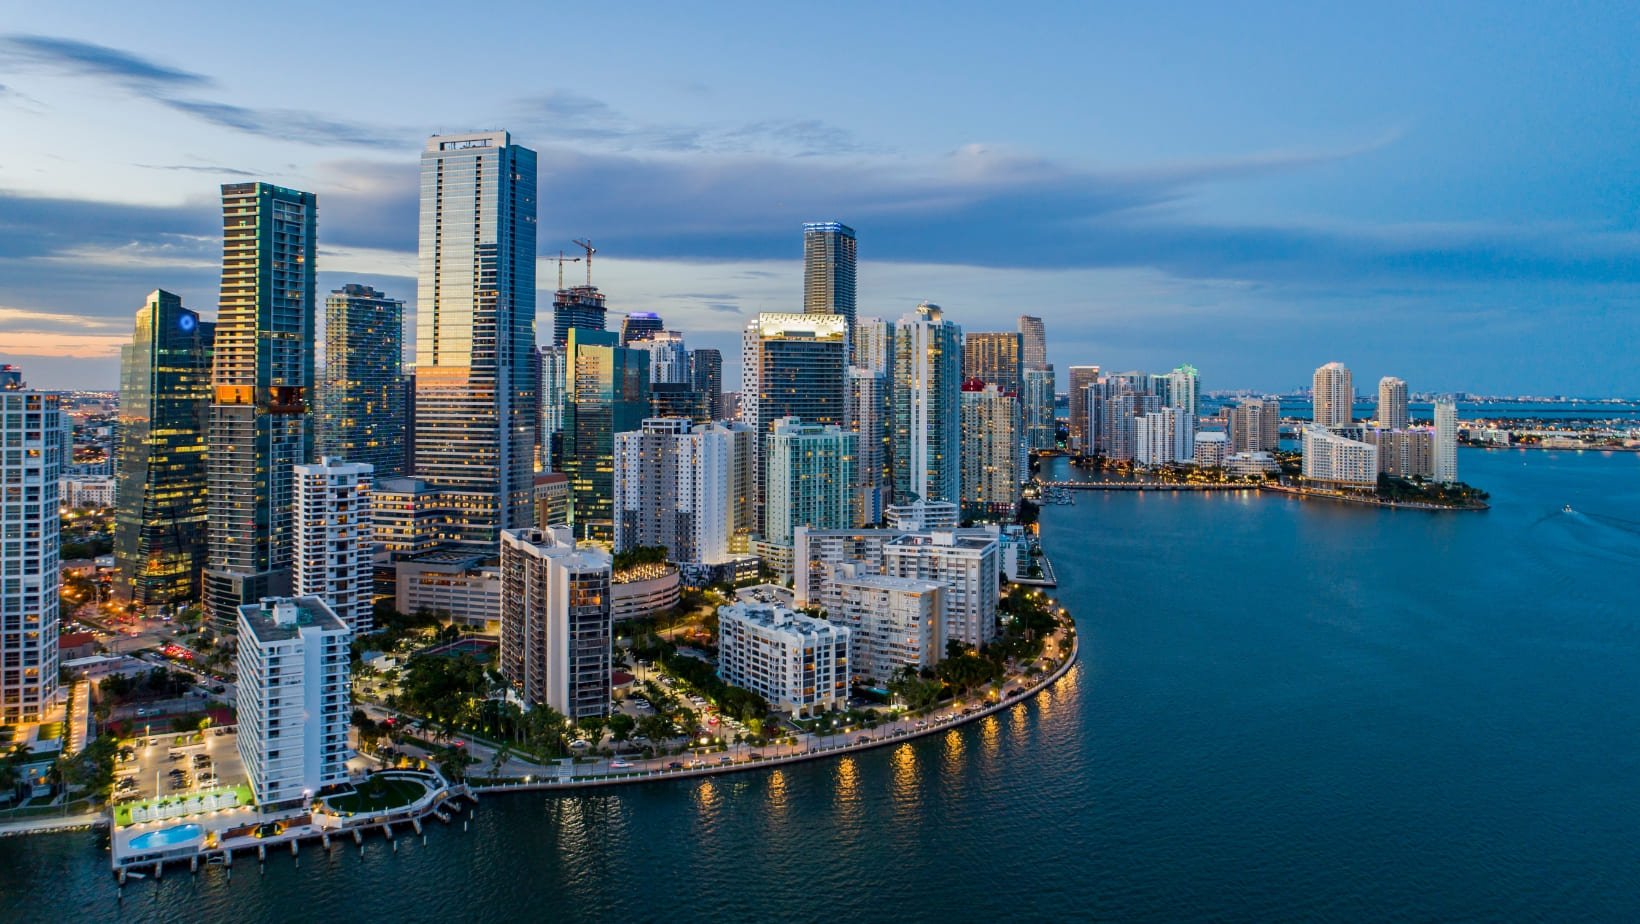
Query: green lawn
[(50, 731), (378, 794)]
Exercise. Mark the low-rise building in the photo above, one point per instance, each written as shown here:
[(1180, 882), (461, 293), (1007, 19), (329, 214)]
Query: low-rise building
[(798, 663), (294, 698), (86, 492), (921, 514), (1211, 449), (642, 591), (460, 583), (1247, 464)]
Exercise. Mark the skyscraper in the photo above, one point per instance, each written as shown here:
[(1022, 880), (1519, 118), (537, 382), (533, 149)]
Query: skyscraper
[(640, 325), (676, 486), (811, 478), (828, 269), (476, 402), (550, 424), (927, 407), (576, 307), (159, 459), (792, 365), (1035, 342), (1180, 389), (1392, 403), (706, 373), (873, 345), (1040, 425), (992, 458), (606, 392), (1333, 396), (262, 386), (995, 357), (869, 412), (1080, 436), (361, 396), (31, 430), (668, 357), (557, 629), (1446, 440), (1247, 427), (333, 536)]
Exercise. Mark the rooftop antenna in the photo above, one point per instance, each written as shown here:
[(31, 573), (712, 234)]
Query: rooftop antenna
[(587, 246), (561, 261)]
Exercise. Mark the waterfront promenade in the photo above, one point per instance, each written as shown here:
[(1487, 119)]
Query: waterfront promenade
[(1149, 486), (962, 712)]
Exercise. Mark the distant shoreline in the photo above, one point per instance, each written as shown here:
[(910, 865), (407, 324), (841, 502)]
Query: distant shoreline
[(1550, 448)]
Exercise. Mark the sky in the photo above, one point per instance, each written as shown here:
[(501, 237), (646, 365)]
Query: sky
[(1445, 192)]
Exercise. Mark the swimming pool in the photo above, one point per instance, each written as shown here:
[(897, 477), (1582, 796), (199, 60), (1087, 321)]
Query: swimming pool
[(174, 836)]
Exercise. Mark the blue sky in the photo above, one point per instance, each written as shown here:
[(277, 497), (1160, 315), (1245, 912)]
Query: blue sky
[(1445, 192)]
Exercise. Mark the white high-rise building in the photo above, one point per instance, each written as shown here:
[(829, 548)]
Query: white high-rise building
[(1338, 461), (1446, 441), (966, 561), (895, 622), (557, 628), (295, 698), (680, 485), (798, 663), (927, 406), (869, 413), (1160, 437), (1392, 403), (668, 358), (874, 345), (993, 453), (811, 480), (31, 431), (1333, 395), (550, 422), (335, 531)]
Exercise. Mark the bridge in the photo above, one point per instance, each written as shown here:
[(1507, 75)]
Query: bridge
[(1146, 486)]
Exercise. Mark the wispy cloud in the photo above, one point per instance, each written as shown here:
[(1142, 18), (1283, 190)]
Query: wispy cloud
[(564, 115), (100, 61), (174, 88), (10, 316), (198, 168)]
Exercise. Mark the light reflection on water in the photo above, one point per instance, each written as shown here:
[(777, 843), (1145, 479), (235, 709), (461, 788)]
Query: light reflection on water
[(905, 781)]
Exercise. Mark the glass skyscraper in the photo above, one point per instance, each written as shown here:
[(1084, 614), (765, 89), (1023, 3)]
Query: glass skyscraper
[(361, 396), (995, 357), (927, 407), (261, 384), (829, 257), (706, 374), (606, 392), (792, 365), (159, 460), (475, 332), (640, 325)]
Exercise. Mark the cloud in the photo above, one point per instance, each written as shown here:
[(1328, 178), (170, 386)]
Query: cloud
[(198, 168), (10, 316), (564, 115), (99, 61), (170, 87)]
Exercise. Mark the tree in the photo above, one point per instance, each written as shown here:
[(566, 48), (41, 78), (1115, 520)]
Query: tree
[(621, 726)]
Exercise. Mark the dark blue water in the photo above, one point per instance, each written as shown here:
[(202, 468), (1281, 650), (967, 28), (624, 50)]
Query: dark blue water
[(1285, 710)]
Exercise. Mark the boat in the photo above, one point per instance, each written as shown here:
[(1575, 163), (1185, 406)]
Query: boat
[(1567, 509)]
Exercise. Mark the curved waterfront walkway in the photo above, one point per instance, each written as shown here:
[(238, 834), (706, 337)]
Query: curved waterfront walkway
[(863, 740)]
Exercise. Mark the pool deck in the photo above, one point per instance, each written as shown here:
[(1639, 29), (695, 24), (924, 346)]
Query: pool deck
[(213, 848)]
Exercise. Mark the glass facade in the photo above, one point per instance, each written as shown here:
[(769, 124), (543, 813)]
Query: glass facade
[(927, 412), (829, 256), (793, 365), (606, 392), (159, 461), (995, 357), (475, 398), (361, 395), (262, 383)]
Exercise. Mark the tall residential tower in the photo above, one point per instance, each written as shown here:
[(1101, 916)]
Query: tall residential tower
[(262, 389), (361, 394)]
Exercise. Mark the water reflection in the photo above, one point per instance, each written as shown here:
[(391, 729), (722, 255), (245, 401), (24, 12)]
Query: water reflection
[(777, 804), (847, 798), (905, 783), (953, 754), (708, 805), (990, 738)]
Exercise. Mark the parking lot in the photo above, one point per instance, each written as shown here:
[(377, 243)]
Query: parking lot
[(159, 767)]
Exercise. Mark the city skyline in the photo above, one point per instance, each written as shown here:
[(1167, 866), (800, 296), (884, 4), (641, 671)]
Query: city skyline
[(1139, 241)]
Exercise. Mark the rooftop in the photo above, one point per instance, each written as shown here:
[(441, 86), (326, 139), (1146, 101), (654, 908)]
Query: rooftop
[(279, 619)]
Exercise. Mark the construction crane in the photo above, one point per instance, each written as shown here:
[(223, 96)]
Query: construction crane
[(561, 261), (587, 246)]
